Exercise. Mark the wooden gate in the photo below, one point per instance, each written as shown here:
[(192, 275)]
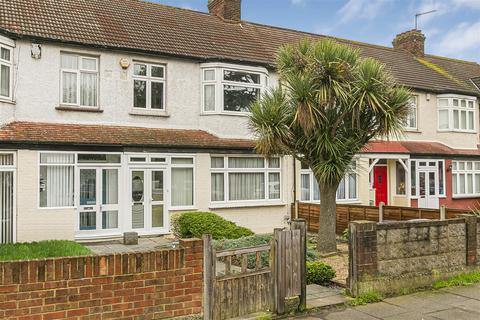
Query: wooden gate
[(241, 281)]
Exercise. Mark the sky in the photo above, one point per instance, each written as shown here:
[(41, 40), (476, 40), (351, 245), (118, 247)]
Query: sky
[(452, 31)]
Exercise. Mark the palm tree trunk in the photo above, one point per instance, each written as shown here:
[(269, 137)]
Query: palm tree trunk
[(328, 211)]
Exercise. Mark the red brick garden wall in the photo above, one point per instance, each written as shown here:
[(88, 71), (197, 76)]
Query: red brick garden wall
[(145, 285)]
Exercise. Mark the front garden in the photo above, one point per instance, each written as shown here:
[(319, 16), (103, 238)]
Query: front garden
[(42, 249)]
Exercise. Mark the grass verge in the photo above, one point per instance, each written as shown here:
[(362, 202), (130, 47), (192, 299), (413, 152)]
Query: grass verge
[(463, 279), (366, 298), (42, 249)]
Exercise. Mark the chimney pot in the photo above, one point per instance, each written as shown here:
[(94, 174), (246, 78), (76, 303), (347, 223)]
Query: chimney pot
[(226, 9), (412, 41)]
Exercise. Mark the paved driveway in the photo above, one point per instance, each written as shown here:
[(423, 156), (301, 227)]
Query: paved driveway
[(459, 303)]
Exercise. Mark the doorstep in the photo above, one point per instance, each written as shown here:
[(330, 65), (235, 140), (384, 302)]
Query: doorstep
[(117, 246)]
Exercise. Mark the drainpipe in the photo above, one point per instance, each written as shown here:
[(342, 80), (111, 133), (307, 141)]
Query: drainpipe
[(295, 202)]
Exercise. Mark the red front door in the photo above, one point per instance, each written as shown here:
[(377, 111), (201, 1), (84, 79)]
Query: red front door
[(380, 184)]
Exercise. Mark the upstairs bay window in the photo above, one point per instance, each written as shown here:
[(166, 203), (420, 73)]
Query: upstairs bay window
[(79, 80), (238, 179), (6, 60), (456, 113), (148, 86), (310, 192), (231, 90)]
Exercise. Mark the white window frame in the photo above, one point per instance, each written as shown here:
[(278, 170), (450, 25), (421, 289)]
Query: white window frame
[(149, 79), (266, 170), (416, 164), (78, 72), (450, 108), (173, 166), (219, 83), (12, 168), (9, 64), (347, 187), (456, 172), (413, 113)]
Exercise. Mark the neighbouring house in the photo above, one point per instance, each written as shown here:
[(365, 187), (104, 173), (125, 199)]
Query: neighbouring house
[(115, 114)]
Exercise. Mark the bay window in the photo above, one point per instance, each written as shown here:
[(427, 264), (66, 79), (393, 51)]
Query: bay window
[(466, 178), (310, 192), (56, 180), (79, 80), (245, 179), (456, 113), (6, 61), (230, 89), (148, 86), (182, 182)]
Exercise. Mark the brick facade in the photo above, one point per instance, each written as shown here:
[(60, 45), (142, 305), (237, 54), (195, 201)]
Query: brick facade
[(412, 41), (144, 285), (226, 9)]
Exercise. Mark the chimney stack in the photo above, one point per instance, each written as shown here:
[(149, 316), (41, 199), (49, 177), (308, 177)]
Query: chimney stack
[(412, 41), (226, 9)]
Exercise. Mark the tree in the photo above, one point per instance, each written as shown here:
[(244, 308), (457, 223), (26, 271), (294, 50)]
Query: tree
[(330, 103)]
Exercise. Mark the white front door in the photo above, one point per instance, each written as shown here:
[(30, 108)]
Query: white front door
[(98, 207), (148, 201), (428, 189)]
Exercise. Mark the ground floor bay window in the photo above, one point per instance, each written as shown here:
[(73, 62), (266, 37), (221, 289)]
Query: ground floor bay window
[(237, 179), (310, 192)]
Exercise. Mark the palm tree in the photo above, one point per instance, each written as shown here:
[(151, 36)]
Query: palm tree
[(330, 103)]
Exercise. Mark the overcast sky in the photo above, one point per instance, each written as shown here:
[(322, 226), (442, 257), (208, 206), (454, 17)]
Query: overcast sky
[(453, 31)]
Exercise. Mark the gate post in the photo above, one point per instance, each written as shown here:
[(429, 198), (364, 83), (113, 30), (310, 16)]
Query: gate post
[(209, 273), (300, 224)]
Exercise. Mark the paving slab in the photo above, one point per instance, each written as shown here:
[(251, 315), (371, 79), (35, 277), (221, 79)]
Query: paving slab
[(382, 309), (412, 315), (456, 314), (321, 296), (472, 292)]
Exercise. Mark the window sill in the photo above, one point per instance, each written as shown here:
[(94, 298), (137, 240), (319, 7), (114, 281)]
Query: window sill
[(226, 205), (6, 100), (79, 109), (467, 196), (457, 131), (148, 113), (234, 114), (411, 130)]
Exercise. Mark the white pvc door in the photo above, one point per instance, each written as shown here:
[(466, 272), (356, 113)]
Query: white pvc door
[(428, 189)]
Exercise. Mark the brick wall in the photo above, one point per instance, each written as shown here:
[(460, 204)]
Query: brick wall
[(145, 285), (392, 257)]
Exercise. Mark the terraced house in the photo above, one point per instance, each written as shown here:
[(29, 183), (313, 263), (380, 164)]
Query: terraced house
[(117, 113)]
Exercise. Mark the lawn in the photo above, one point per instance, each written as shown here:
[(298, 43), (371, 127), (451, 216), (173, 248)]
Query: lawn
[(42, 249)]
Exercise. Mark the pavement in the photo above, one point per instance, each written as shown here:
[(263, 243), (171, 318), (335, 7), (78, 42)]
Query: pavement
[(116, 246), (457, 303)]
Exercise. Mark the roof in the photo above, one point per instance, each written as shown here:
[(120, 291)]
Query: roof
[(160, 29), (31, 133), (417, 148)]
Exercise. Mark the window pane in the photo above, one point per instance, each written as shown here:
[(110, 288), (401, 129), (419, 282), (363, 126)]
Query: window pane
[(157, 185), (440, 178), (477, 183), (352, 186), (139, 94), (218, 187), (316, 190), (274, 185), (209, 75), (400, 176), (245, 162), (470, 104), (443, 102), (69, 61), (463, 123), (471, 125), (5, 54), (88, 89), (455, 102), (274, 163), (455, 186), (443, 119), (88, 187), (462, 183), (89, 64), (182, 160), (238, 76), (246, 186), (57, 158), (469, 183), (305, 187), (56, 186), (110, 186), (88, 220), (98, 158), (109, 219), (140, 69), (157, 95), (237, 98), (182, 186), (217, 162), (461, 166), (69, 87), (463, 103), (469, 165), (413, 178), (157, 215), (341, 190), (456, 119), (157, 72), (5, 81), (209, 97), (6, 159)]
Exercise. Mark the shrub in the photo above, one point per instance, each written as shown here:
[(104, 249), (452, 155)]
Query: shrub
[(319, 273), (369, 297), (196, 224)]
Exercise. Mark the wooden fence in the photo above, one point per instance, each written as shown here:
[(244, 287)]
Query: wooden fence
[(241, 281), (346, 213)]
